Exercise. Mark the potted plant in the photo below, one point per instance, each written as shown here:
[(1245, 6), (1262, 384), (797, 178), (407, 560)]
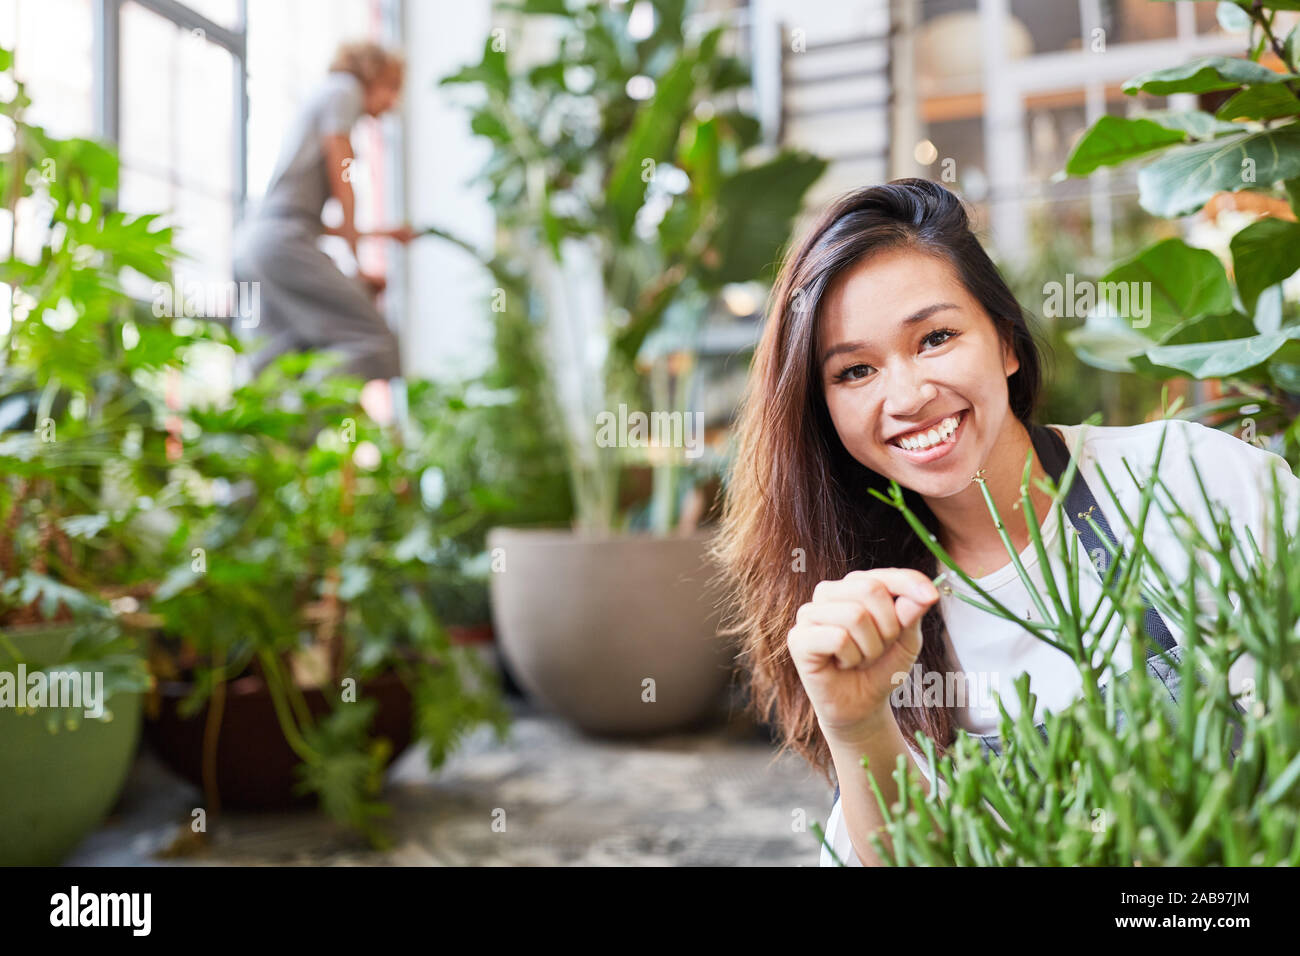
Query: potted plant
[(301, 650), (629, 188), (82, 456), (1201, 324), (493, 461), (264, 543)]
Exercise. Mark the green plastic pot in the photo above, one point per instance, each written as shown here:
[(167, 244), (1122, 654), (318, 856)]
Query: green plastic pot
[(55, 788)]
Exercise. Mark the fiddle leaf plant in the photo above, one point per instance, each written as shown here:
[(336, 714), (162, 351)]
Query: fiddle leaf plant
[(1197, 322)]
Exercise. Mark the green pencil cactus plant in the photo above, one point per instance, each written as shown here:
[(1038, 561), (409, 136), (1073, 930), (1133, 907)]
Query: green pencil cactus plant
[(1124, 776)]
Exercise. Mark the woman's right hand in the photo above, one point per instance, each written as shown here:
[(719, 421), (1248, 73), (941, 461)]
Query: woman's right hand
[(850, 641)]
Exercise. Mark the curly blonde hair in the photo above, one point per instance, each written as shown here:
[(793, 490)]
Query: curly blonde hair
[(369, 62)]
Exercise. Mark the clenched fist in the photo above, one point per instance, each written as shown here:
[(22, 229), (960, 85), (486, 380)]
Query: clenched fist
[(850, 640)]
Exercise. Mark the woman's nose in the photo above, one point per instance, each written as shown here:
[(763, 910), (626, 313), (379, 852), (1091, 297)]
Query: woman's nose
[(908, 390)]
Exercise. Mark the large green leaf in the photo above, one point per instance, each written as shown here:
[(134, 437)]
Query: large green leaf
[(1220, 359), (1264, 253), (758, 206), (1293, 194), (1184, 283), (1187, 177), (1169, 283), (1259, 103), (1114, 139), (1211, 328), (652, 138), (1204, 76), (491, 71), (1107, 342)]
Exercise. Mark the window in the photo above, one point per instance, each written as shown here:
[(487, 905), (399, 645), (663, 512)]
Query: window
[(196, 108), (177, 135), (53, 44)]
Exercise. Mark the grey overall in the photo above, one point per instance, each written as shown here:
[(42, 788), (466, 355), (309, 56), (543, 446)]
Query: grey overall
[(306, 302), (1078, 502)]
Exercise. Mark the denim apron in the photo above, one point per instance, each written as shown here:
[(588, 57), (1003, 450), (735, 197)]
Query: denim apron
[(1079, 503)]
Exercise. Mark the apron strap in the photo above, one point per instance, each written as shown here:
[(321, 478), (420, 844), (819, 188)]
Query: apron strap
[(1079, 501)]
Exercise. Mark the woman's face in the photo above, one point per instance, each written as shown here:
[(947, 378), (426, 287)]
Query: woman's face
[(383, 94), (903, 346)]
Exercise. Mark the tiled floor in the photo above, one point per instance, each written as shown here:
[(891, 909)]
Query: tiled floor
[(713, 797)]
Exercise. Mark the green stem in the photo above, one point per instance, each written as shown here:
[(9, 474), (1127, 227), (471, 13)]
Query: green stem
[(942, 555), (270, 669), (1011, 549)]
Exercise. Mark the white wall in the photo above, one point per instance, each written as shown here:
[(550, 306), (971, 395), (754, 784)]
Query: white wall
[(446, 328)]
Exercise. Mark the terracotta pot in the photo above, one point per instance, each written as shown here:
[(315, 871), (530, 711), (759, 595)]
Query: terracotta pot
[(585, 623), (255, 764)]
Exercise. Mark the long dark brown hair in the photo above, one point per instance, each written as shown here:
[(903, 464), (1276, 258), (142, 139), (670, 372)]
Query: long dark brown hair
[(793, 485)]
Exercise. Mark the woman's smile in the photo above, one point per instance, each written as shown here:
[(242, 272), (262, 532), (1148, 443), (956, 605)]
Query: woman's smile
[(921, 448)]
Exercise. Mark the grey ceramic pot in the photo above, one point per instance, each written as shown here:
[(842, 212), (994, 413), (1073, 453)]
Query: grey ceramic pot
[(593, 627)]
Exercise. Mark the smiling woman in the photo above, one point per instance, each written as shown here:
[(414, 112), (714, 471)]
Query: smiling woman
[(914, 377), (895, 351)]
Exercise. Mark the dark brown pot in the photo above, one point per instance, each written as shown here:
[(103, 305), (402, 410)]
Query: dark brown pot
[(471, 633), (255, 764)]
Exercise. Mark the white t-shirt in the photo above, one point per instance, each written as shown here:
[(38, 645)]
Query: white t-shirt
[(991, 652)]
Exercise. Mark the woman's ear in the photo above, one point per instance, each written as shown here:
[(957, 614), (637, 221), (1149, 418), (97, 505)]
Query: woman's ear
[(1010, 360)]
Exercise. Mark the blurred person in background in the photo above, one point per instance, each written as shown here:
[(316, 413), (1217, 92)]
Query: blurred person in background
[(306, 301)]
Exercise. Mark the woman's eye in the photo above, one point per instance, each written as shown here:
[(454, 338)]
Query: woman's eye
[(847, 374), (947, 334), (852, 372)]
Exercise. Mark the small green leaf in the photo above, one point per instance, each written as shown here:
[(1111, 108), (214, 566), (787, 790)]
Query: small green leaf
[(1289, 47), (1197, 124), (1114, 139), (1259, 103), (1232, 18)]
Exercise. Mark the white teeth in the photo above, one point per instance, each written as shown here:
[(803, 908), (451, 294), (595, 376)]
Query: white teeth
[(926, 439)]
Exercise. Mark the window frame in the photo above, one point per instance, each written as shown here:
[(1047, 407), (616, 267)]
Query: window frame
[(108, 61)]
